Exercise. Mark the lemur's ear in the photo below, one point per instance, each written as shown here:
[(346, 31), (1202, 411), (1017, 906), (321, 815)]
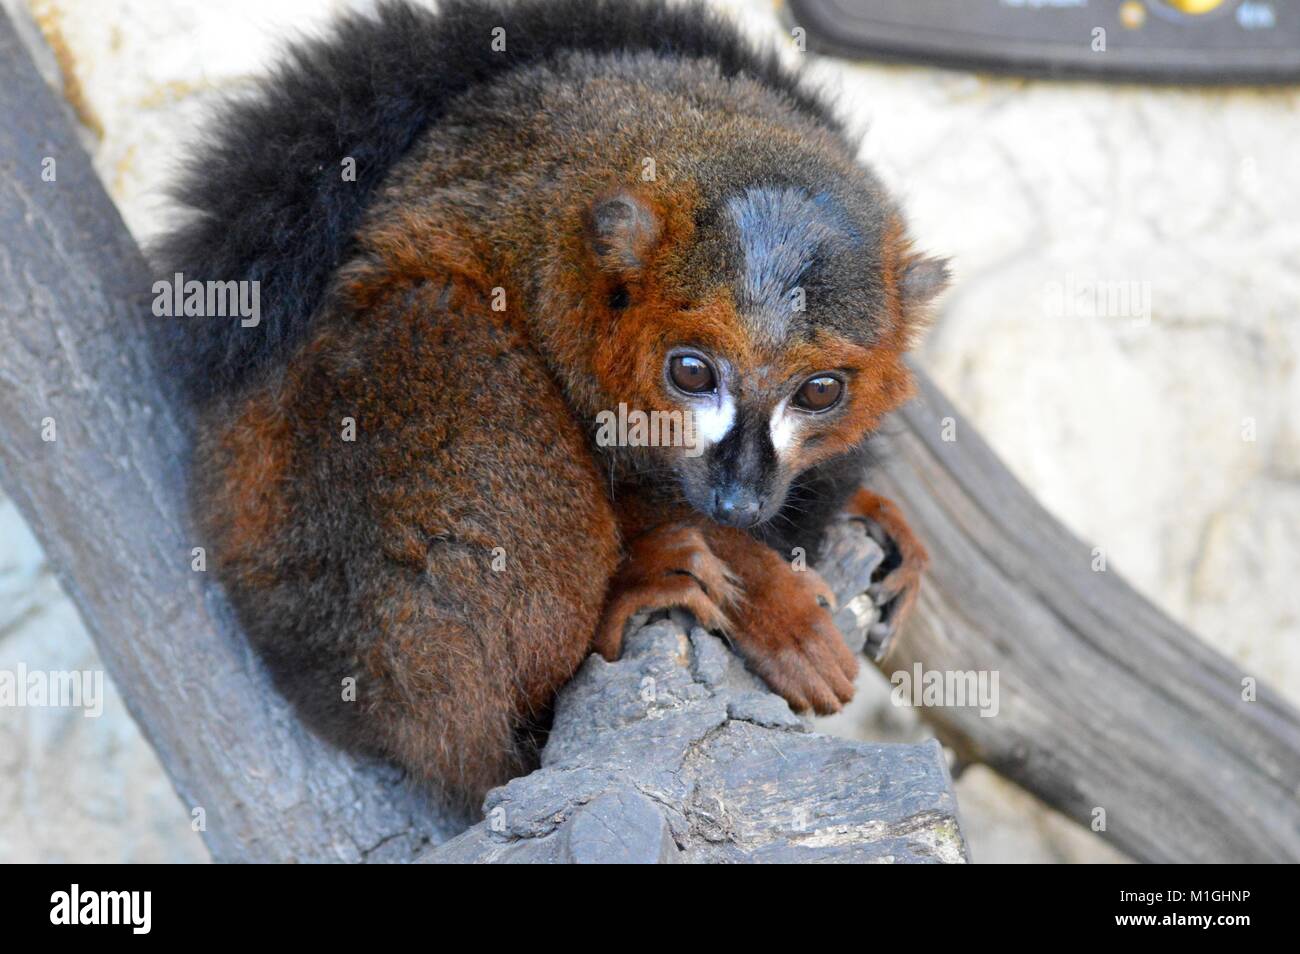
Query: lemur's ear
[(623, 230), (922, 278)]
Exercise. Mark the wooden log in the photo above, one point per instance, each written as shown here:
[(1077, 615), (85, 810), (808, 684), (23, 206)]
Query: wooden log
[(1105, 702), (676, 753)]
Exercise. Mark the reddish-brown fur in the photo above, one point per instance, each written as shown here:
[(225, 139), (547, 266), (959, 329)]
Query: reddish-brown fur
[(449, 670), (373, 560)]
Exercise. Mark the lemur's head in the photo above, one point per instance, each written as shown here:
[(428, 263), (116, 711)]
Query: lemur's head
[(772, 314)]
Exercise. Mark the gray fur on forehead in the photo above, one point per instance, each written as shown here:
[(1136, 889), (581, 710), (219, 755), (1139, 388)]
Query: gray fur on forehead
[(799, 261), (782, 233)]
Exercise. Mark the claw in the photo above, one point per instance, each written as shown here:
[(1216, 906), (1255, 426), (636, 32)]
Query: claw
[(897, 580)]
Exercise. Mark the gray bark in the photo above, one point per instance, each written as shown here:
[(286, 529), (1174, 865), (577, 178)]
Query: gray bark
[(677, 754)]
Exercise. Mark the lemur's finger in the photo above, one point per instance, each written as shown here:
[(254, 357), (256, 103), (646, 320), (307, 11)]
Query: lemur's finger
[(841, 685), (825, 700), (845, 657), (835, 655), (811, 671), (790, 675), (824, 656), (788, 687), (681, 590)]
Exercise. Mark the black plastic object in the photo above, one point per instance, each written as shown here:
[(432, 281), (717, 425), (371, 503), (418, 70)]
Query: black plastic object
[(1171, 41)]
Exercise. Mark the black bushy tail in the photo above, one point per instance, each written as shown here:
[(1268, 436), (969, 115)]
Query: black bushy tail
[(265, 193)]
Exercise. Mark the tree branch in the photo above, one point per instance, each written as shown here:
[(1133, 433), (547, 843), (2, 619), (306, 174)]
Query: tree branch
[(677, 753), (1106, 703)]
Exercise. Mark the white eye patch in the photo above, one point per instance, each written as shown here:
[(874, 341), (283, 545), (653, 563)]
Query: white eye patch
[(783, 427), (713, 423)]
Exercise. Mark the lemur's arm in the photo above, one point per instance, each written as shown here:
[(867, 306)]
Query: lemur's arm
[(778, 614)]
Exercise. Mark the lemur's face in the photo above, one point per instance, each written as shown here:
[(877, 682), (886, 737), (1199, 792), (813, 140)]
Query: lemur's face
[(760, 419), (773, 325)]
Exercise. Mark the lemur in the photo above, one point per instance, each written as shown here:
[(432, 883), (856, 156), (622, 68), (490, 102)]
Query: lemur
[(554, 208)]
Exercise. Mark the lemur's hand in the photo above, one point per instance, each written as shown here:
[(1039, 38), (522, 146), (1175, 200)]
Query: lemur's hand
[(669, 566), (786, 632), (778, 618), (897, 580)]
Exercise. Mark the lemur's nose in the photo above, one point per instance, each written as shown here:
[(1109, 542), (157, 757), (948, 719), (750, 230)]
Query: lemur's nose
[(736, 506)]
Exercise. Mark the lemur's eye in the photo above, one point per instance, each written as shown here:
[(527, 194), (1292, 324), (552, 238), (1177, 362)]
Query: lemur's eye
[(692, 374), (819, 394)]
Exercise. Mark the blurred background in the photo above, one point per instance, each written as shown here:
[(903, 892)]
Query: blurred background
[(1173, 442)]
